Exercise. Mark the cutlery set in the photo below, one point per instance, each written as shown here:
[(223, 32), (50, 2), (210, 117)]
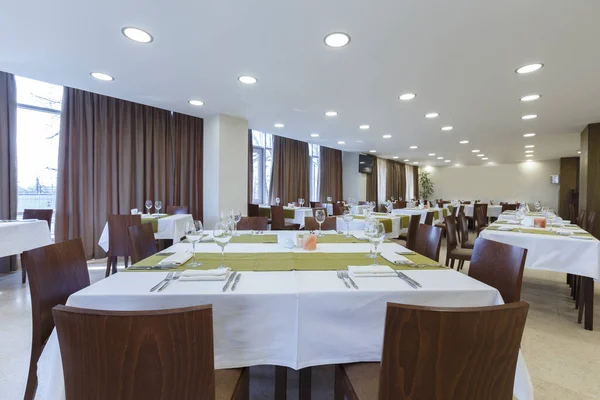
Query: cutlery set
[(173, 276), (345, 277), (235, 278)]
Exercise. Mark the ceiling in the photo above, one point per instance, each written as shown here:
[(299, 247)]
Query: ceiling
[(458, 56)]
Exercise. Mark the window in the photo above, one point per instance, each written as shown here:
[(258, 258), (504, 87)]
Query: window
[(38, 124), (262, 165), (314, 151)]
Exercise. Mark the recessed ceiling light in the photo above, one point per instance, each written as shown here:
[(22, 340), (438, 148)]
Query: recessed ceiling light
[(457, 165), (314, 135), (372, 151), (387, 136), (525, 69), (407, 96), (337, 39), (492, 163), (446, 160), (415, 162), (481, 155), (578, 151), (102, 77), (432, 115), (440, 158), (137, 35), (474, 151), (278, 125), (341, 142), (447, 128), (528, 155), (359, 141), (463, 142), (529, 135), (485, 158), (196, 102), (530, 97), (528, 151), (406, 160), (247, 79), (432, 154), (331, 113), (529, 116), (530, 146), (414, 147), (364, 127), (395, 157)]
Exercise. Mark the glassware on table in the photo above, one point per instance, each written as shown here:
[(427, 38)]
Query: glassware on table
[(194, 231), (389, 206), (158, 206), (236, 216), (368, 232), (301, 202), (520, 215), (277, 201), (329, 199), (538, 206), (371, 206), (320, 217), (348, 217), (148, 205), (222, 236), (376, 237)]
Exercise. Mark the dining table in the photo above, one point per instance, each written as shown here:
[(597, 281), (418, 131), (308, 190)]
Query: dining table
[(493, 210), (291, 215), (438, 213), (17, 236), (290, 307), (394, 224)]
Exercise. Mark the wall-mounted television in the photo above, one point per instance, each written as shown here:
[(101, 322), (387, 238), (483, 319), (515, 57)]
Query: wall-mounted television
[(365, 164)]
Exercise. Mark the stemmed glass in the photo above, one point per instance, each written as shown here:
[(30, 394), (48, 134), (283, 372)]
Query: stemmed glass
[(222, 234), (158, 206), (538, 206), (368, 232), (277, 201), (520, 215), (148, 205), (348, 217), (320, 217), (301, 202), (236, 216), (193, 233), (376, 237), (329, 199), (371, 206), (389, 206)]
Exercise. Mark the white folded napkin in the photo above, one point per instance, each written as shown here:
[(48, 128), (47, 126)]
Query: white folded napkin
[(363, 271), (360, 236), (395, 258), (176, 259), (506, 228), (217, 274)]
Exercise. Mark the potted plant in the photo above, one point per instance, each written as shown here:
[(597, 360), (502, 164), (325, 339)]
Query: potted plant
[(425, 185)]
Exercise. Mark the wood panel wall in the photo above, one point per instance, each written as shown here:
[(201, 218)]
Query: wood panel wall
[(569, 180), (589, 172)]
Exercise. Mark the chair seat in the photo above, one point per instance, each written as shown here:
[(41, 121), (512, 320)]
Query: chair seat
[(441, 225), (226, 383), (461, 254), (364, 379), (469, 244), (403, 236)]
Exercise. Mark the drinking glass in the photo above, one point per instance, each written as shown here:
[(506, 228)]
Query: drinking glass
[(376, 237), (348, 217), (277, 200), (320, 217), (389, 206), (193, 233), (158, 206), (368, 232), (236, 216), (538, 206), (371, 206), (520, 215), (329, 199), (301, 202), (148, 205), (222, 234)]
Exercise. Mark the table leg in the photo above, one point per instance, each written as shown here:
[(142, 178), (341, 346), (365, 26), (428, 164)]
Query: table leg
[(305, 383), (588, 295), (280, 383)]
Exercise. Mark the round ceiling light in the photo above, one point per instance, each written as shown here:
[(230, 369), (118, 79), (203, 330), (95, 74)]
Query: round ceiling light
[(337, 39), (341, 142), (415, 162), (528, 151), (102, 77), (457, 165), (314, 135), (447, 128), (406, 160), (528, 155), (407, 96), (196, 102), (364, 127), (447, 160), (481, 155), (530, 146), (395, 157), (530, 97), (372, 151), (485, 158), (387, 136), (137, 35), (464, 142), (247, 79), (529, 135), (278, 125), (440, 158), (414, 147), (474, 151), (331, 113), (525, 69), (432, 115), (529, 116), (432, 154)]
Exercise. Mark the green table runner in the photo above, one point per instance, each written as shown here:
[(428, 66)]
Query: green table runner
[(153, 221), (289, 213), (290, 261), (262, 238)]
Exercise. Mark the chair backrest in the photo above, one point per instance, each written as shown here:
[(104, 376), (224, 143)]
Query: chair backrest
[(118, 235), (480, 213), (463, 228), (461, 209), (143, 243), (172, 210), (315, 204), (429, 241), (277, 218), (466, 202), (581, 220), (401, 203), (131, 354), (42, 215), (363, 203), (466, 353), (253, 224), (451, 239), (500, 266), (55, 272), (591, 221), (338, 209), (429, 218), (253, 210), (311, 224), (507, 207), (411, 234)]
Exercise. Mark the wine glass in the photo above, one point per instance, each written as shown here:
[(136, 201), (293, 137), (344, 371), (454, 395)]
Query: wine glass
[(222, 235), (368, 232), (193, 233), (348, 217), (520, 215), (277, 201), (537, 205), (320, 217), (376, 237), (148, 205), (236, 216), (329, 199), (371, 206), (301, 202), (158, 206), (389, 206)]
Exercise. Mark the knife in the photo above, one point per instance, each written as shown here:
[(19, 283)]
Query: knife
[(408, 280), (229, 280), (237, 278)]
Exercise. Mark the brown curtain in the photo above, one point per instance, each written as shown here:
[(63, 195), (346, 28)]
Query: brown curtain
[(291, 170), (8, 157), (330, 170), (372, 183), (395, 178), (115, 154), (416, 180), (250, 165)]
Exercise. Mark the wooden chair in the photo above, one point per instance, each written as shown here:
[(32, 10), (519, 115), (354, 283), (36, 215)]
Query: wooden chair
[(315, 204), (401, 203), (509, 207), (591, 221), (55, 272), (143, 243), (311, 224), (338, 209), (439, 353), (174, 210), (253, 210), (480, 219), (278, 220), (463, 232), (500, 266), (429, 218), (428, 241), (581, 220), (453, 252), (150, 355), (411, 233), (118, 239), (42, 215), (253, 224)]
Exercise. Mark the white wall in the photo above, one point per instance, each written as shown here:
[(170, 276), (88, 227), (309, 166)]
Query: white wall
[(350, 175), (502, 182), (363, 187)]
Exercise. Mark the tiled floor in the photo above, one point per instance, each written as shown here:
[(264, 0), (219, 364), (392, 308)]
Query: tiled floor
[(563, 358)]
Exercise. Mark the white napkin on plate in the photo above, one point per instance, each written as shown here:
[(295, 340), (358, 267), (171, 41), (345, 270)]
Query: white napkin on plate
[(217, 274), (395, 258), (506, 228), (362, 271), (177, 259)]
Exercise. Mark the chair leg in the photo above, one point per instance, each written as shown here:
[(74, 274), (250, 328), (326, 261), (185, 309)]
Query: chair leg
[(578, 290), (114, 264), (452, 263), (126, 262), (23, 273), (280, 383), (305, 383), (338, 391), (580, 300), (108, 260), (32, 377), (242, 390), (588, 300)]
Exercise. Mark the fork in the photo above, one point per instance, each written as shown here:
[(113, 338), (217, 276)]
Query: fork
[(347, 276), (340, 275), (168, 277), (167, 283)]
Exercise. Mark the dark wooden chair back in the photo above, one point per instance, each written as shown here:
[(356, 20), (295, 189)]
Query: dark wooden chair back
[(429, 241), (401, 203), (130, 354), (500, 266), (424, 354), (277, 218), (591, 221), (173, 210), (55, 272), (338, 209), (143, 243), (466, 202), (509, 207), (311, 224), (253, 224), (118, 236), (581, 220), (315, 204), (461, 209), (429, 218), (451, 239), (480, 213), (42, 215), (463, 228), (411, 234), (363, 203), (253, 210)]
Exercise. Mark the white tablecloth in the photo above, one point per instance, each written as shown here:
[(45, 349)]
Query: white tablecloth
[(492, 211), (171, 227), (359, 225), (359, 210), (293, 319), (299, 214), (422, 212), (17, 237)]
